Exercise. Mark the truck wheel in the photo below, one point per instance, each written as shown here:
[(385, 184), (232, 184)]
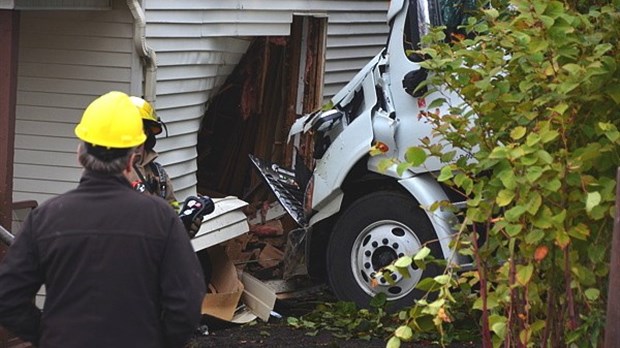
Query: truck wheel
[(371, 233)]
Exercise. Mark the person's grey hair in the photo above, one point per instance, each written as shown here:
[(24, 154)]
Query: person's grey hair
[(114, 166)]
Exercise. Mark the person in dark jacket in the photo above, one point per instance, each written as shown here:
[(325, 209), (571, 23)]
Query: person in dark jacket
[(117, 265)]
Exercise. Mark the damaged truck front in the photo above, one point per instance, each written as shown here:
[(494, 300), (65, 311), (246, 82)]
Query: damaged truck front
[(357, 217)]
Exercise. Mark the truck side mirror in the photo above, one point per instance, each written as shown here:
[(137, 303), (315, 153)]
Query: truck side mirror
[(412, 80)]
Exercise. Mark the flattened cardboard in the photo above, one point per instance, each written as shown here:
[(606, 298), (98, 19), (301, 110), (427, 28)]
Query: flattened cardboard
[(226, 286)]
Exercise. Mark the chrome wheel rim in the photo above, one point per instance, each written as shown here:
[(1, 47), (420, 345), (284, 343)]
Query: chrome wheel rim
[(378, 245)]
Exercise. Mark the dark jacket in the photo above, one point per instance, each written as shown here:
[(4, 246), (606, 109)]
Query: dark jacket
[(118, 268)]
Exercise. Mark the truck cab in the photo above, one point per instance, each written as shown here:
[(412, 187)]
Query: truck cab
[(354, 215)]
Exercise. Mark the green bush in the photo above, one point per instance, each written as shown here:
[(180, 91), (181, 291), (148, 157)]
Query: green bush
[(540, 84)]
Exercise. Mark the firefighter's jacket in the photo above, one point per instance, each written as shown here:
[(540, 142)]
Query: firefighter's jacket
[(118, 268), (153, 176)]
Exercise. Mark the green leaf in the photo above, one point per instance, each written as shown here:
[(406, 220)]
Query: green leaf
[(404, 333), (613, 90), (504, 197), (445, 174), (403, 262), (442, 279), (552, 185), (533, 173), (498, 324), (524, 274), (592, 294), (422, 253), (593, 199), (426, 284), (518, 132), (580, 231), (436, 103), (508, 179), (534, 202), (393, 342), (548, 136), (491, 13), (514, 213), (402, 167), (492, 302), (534, 236), (513, 229), (572, 69), (499, 152), (415, 156)]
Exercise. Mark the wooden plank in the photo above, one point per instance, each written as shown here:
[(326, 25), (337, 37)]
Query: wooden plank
[(9, 37)]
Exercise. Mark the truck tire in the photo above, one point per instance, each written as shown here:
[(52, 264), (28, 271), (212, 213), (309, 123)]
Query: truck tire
[(371, 233)]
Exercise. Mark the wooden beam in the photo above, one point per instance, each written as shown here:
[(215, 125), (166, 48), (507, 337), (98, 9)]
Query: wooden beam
[(9, 34), (612, 334)]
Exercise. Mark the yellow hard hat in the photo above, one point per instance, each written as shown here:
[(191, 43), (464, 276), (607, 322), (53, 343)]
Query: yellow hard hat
[(148, 114), (111, 121)]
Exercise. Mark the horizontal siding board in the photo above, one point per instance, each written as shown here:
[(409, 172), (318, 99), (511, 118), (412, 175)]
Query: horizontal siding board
[(45, 187), (193, 57), (88, 28), (353, 64), (186, 72), (342, 41), (182, 86), (185, 185), (42, 143), (295, 5), (176, 142), (46, 114), (180, 169), (67, 86), (65, 159), (219, 16), (119, 13), (177, 155), (220, 29), (172, 115), (182, 99), (86, 43), (73, 72), (55, 173), (215, 44), (44, 128), (77, 101), (352, 52), (75, 57)]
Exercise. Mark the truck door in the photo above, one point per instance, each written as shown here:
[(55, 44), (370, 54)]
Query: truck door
[(408, 27)]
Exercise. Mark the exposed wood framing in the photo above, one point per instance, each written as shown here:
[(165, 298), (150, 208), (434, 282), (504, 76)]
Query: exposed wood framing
[(9, 34), (278, 79)]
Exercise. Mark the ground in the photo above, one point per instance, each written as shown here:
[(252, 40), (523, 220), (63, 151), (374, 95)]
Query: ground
[(277, 333)]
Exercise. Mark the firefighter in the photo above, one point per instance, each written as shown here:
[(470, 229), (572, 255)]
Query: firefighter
[(149, 176), (118, 267)]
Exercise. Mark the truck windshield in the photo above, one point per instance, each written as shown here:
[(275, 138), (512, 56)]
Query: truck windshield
[(451, 14), (422, 14)]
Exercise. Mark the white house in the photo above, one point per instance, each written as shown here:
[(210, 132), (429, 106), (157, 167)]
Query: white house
[(175, 53)]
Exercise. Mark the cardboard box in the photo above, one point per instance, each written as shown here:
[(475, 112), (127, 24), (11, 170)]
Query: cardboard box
[(228, 288), (225, 287)]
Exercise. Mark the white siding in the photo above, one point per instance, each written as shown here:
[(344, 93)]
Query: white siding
[(66, 59), (199, 42)]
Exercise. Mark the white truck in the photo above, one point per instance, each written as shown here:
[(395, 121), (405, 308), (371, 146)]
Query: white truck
[(355, 216)]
